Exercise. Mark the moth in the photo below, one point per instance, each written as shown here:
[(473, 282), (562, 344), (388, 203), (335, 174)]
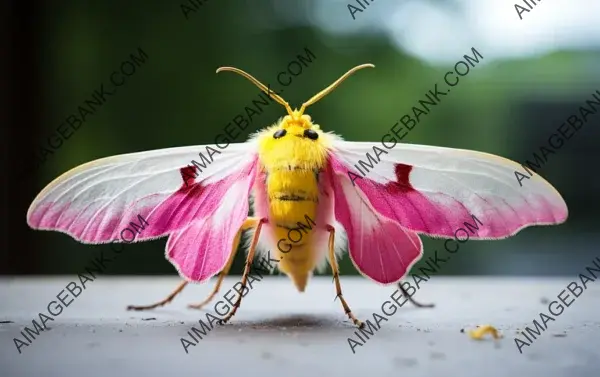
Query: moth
[(289, 172)]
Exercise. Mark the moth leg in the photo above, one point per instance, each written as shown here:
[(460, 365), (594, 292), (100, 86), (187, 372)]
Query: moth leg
[(336, 278), (247, 224), (250, 222), (162, 302), (413, 301), (249, 259)]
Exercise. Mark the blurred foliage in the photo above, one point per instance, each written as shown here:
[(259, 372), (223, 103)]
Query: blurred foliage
[(176, 99)]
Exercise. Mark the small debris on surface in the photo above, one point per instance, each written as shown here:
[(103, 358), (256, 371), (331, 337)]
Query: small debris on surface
[(3, 322), (563, 335), (482, 330), (149, 319), (544, 300), (120, 330), (437, 356), (462, 330), (405, 362)]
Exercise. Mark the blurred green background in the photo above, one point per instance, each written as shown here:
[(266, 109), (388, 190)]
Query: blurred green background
[(507, 105)]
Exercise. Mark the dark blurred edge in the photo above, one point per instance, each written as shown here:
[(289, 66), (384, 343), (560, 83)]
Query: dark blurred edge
[(21, 99), (4, 124)]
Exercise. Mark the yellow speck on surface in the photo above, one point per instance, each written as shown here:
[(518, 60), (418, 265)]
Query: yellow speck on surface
[(479, 333)]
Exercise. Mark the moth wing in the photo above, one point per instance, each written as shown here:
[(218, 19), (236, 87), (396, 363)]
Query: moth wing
[(435, 190), (197, 194), (379, 248)]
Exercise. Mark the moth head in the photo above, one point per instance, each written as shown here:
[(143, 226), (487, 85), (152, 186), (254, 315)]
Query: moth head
[(300, 127), (296, 118)]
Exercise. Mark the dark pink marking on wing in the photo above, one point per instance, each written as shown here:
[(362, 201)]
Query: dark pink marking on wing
[(402, 185), (188, 175)]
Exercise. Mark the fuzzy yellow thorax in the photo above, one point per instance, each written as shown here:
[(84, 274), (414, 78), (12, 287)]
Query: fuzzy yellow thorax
[(292, 150)]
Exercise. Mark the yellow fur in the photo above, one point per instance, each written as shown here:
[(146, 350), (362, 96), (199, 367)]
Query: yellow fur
[(291, 163)]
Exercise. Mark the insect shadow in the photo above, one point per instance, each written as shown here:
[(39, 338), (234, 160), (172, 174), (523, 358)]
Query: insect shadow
[(292, 321)]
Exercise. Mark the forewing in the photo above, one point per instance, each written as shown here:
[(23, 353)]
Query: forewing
[(379, 247), (435, 190), (94, 202)]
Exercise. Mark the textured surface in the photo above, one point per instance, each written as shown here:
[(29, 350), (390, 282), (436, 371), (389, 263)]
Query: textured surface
[(279, 331)]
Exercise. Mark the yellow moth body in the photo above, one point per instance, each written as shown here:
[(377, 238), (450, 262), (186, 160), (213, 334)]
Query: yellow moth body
[(291, 164)]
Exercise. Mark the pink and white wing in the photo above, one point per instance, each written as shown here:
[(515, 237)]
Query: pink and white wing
[(202, 204), (379, 247), (414, 189), (434, 190)]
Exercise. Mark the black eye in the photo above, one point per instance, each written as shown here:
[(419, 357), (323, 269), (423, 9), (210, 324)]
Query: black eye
[(311, 134), (279, 133)]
